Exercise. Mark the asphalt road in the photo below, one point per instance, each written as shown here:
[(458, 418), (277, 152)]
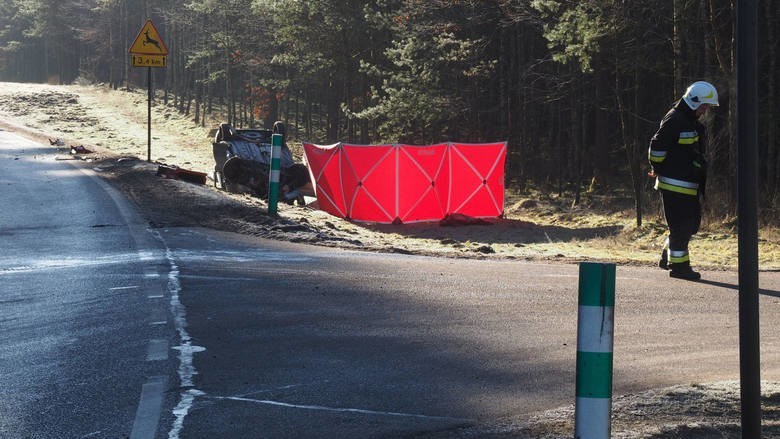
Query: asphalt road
[(112, 330), (84, 325), (310, 342)]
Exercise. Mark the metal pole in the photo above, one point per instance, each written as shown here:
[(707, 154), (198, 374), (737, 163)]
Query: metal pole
[(149, 115), (595, 328), (273, 180), (747, 211)]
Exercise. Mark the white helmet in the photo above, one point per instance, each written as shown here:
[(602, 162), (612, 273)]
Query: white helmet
[(700, 92)]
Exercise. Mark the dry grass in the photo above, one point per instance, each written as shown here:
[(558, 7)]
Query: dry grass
[(714, 247)]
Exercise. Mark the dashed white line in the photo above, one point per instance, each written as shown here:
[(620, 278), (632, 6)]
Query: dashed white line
[(130, 287), (157, 350), (148, 414)]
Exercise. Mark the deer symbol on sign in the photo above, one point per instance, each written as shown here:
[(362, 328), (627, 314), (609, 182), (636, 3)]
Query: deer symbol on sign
[(152, 41)]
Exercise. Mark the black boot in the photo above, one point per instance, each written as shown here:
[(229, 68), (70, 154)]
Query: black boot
[(683, 271), (663, 262)]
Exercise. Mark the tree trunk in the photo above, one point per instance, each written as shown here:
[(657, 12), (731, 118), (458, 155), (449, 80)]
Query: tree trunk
[(677, 45)]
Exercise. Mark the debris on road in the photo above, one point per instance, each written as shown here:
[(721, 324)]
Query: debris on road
[(459, 219), (177, 173), (79, 149)]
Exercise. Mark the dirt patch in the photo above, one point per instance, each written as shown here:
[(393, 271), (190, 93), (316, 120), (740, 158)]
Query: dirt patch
[(677, 412)]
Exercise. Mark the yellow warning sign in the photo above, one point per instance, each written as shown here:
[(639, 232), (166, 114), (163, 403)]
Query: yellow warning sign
[(148, 41)]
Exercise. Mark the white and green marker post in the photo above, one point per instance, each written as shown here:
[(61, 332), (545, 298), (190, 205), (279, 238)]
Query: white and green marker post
[(273, 178), (595, 328)]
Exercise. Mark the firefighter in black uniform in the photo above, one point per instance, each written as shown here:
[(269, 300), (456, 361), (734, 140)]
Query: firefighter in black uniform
[(677, 161)]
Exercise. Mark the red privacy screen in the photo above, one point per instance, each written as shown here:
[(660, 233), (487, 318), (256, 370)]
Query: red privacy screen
[(408, 183)]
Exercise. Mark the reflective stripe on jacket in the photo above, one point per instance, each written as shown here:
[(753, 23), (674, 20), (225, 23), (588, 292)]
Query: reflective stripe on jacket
[(674, 185), (676, 151)]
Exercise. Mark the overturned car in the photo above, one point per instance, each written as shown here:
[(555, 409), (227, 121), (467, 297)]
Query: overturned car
[(242, 163)]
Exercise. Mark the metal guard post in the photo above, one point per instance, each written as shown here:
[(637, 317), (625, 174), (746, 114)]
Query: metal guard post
[(595, 327), (273, 180)]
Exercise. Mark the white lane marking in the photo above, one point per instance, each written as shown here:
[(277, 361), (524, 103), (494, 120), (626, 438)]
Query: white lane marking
[(248, 255), (189, 348), (17, 269), (151, 273), (340, 409), (155, 296), (181, 410), (54, 263), (186, 350), (160, 322), (149, 408), (146, 255), (157, 350), (130, 287), (228, 278), (213, 401)]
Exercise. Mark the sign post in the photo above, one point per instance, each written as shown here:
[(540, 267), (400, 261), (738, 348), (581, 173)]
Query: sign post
[(747, 172), (148, 50)]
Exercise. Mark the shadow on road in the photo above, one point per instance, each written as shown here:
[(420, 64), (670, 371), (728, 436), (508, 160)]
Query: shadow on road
[(502, 231), (731, 286)]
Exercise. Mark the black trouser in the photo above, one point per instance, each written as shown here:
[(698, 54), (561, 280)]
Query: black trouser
[(683, 218)]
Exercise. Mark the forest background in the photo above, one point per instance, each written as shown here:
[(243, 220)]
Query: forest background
[(577, 88)]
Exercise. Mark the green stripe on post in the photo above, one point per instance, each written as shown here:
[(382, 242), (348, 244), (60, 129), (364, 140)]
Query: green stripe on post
[(597, 284), (595, 377)]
